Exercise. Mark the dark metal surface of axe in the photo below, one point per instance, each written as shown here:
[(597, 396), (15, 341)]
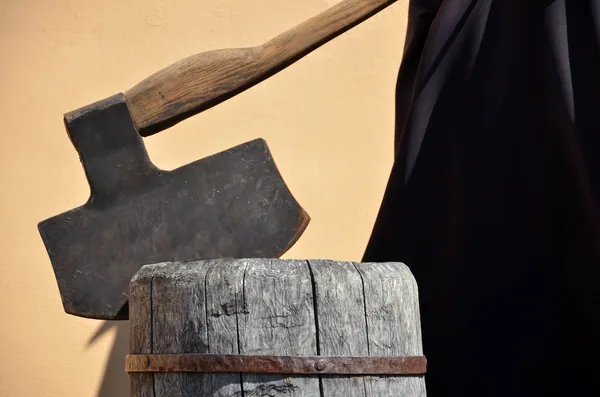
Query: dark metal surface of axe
[(231, 204)]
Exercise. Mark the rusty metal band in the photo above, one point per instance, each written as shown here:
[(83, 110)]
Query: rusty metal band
[(211, 363)]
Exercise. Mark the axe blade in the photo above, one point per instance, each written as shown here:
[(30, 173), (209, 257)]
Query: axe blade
[(232, 204)]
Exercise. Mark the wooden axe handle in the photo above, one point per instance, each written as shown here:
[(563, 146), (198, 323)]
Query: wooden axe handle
[(201, 81)]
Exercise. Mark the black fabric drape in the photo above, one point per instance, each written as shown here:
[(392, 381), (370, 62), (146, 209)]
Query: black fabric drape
[(493, 199)]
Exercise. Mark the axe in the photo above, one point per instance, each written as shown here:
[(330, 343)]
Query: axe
[(231, 204)]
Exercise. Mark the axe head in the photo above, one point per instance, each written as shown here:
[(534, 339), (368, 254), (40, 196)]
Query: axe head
[(230, 205)]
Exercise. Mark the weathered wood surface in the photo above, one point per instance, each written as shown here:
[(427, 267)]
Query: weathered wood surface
[(203, 80), (140, 337), (278, 320), (342, 324), (278, 307), (224, 283), (180, 315), (391, 309)]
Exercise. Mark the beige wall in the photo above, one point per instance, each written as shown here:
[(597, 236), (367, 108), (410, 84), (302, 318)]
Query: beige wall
[(328, 120)]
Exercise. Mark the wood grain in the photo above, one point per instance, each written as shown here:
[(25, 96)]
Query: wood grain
[(203, 80), (278, 320), (392, 312), (341, 320), (140, 337), (179, 324), (224, 302)]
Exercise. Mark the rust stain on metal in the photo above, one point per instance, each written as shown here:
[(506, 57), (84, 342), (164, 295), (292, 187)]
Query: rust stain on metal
[(345, 365)]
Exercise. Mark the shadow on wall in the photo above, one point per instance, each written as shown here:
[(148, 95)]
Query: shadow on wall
[(115, 382)]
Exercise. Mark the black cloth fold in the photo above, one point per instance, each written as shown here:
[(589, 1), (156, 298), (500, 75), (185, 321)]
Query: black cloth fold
[(493, 197)]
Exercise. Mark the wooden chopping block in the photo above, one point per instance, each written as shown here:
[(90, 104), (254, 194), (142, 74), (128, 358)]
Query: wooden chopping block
[(232, 327)]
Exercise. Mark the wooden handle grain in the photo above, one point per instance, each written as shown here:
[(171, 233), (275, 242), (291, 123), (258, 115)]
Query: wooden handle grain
[(201, 81)]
